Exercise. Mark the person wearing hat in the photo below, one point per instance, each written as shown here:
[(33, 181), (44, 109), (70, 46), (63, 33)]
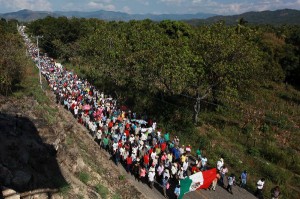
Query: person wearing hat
[(244, 179), (188, 149)]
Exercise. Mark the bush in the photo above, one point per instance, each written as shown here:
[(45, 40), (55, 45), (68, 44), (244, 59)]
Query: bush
[(122, 177), (275, 174), (254, 151), (84, 177), (102, 190)]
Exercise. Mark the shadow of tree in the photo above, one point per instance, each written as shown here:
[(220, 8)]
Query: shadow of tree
[(26, 162)]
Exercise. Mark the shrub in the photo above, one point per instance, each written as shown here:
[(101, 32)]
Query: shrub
[(84, 177), (102, 190), (253, 151), (122, 177)]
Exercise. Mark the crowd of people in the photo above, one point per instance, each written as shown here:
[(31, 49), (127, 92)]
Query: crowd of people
[(136, 142)]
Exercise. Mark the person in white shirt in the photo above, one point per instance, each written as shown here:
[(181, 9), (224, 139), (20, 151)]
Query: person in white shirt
[(99, 136), (180, 174), (185, 167), (203, 163), (259, 187), (151, 176), (220, 164)]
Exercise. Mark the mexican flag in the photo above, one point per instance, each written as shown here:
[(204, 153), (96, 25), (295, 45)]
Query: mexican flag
[(200, 180)]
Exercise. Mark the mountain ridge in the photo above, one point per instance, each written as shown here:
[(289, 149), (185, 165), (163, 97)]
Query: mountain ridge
[(277, 17), (29, 15)]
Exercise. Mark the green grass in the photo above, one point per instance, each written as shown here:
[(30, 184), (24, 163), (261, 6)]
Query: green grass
[(116, 196), (260, 135), (102, 190), (122, 177), (84, 177)]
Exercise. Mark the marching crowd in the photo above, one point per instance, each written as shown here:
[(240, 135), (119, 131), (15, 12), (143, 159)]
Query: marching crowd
[(134, 141)]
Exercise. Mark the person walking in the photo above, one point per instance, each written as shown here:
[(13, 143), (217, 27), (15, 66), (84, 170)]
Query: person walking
[(177, 191), (151, 176), (223, 172), (244, 176), (259, 188), (165, 185), (214, 182), (231, 179)]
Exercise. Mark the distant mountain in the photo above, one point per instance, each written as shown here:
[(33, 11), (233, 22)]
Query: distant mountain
[(277, 17), (28, 15)]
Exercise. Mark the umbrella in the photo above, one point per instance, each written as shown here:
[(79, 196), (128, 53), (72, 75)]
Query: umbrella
[(86, 107)]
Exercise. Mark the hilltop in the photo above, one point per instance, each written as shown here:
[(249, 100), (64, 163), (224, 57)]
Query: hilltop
[(277, 17)]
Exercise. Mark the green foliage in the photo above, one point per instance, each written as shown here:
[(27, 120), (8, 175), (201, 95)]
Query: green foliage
[(253, 151), (84, 177), (275, 174), (12, 58), (102, 190), (122, 177), (117, 196)]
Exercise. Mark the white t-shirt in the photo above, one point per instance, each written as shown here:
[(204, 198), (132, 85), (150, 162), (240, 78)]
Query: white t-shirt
[(185, 166), (260, 184), (219, 165), (151, 176)]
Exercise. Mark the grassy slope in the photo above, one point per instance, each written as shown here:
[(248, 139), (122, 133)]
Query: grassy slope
[(260, 134)]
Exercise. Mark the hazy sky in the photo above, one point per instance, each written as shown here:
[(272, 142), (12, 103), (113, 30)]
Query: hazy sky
[(225, 7)]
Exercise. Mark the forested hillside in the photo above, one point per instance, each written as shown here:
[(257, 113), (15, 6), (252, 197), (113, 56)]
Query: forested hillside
[(276, 18), (230, 90), (12, 57)]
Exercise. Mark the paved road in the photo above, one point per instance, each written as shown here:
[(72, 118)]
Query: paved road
[(220, 193)]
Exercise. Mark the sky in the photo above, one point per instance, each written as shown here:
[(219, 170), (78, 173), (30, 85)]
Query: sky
[(223, 7)]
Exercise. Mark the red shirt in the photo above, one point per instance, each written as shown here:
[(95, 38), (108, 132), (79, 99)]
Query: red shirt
[(127, 133), (110, 124), (120, 144), (129, 160), (146, 158), (163, 146)]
